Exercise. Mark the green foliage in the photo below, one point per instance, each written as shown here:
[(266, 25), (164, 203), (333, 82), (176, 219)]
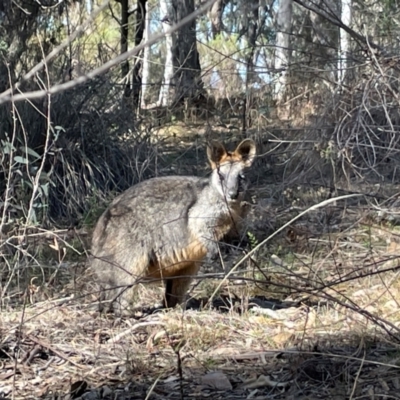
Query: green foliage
[(252, 240), (105, 36), (3, 47), (26, 192), (385, 16)]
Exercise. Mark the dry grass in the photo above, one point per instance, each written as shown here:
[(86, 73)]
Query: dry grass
[(312, 314), (48, 347), (315, 314)]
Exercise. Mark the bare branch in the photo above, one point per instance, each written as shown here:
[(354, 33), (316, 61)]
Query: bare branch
[(54, 52), (9, 96)]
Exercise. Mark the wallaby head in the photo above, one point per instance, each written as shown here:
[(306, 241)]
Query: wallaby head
[(228, 167)]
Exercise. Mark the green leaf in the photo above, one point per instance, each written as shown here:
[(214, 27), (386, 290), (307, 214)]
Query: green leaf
[(45, 189), (7, 147), (32, 152), (20, 160)]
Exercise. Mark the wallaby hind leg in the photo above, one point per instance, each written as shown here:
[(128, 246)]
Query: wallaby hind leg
[(176, 288), (117, 300), (123, 302)]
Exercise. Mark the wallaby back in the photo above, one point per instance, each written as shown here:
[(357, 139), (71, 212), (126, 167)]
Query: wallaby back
[(162, 228)]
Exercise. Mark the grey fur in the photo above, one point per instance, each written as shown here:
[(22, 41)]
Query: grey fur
[(164, 227)]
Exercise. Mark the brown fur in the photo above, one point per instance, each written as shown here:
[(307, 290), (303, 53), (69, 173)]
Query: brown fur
[(162, 228)]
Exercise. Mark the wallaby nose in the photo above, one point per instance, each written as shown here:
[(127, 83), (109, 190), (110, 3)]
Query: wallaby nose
[(233, 194)]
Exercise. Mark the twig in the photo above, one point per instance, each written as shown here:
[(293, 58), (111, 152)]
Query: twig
[(52, 349)]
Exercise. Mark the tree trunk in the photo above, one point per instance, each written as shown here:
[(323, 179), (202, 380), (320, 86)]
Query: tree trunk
[(253, 19), (165, 95), (283, 51), (146, 59), (344, 41), (215, 15), (187, 73), (141, 23), (124, 44)]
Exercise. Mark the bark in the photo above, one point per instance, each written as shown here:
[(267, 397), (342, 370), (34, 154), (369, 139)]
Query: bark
[(187, 73), (252, 34), (146, 60), (141, 21), (124, 44), (165, 95), (344, 41), (283, 50), (215, 15)]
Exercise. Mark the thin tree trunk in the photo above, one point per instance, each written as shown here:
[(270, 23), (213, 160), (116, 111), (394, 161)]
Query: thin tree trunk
[(344, 41), (124, 44), (141, 21), (252, 34), (146, 59), (165, 95), (283, 51), (215, 15)]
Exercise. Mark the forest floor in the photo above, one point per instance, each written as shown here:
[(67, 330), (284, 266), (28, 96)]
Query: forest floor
[(312, 313)]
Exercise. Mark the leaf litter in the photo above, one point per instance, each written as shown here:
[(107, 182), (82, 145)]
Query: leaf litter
[(326, 326)]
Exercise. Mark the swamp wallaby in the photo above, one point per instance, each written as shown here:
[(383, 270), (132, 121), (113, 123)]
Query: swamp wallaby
[(162, 228)]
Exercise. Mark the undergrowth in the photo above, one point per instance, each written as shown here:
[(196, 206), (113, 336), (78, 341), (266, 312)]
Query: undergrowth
[(324, 288)]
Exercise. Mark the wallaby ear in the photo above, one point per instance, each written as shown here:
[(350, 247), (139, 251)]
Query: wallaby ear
[(215, 153), (246, 151)]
